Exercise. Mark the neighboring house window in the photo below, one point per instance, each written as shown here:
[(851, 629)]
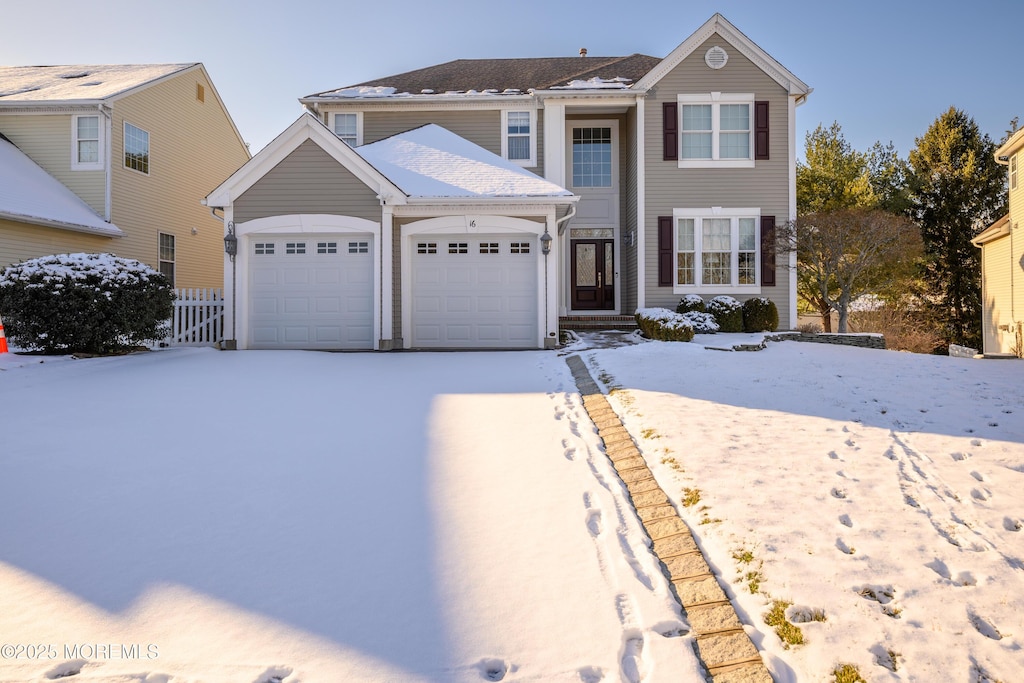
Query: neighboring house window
[(592, 157), (716, 249), (166, 256), (717, 129), (348, 127), (518, 139), (87, 142), (1013, 172), (136, 148)]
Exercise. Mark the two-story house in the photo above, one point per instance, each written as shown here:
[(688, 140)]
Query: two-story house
[(399, 212), (1002, 263), (115, 158)]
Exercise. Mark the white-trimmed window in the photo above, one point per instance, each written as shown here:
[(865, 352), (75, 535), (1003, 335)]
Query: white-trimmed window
[(518, 136), (716, 130), (136, 148), (716, 250), (87, 142), (592, 157), (348, 126), (1013, 172), (166, 256)]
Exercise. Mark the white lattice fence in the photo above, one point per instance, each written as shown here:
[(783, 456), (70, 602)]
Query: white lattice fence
[(198, 318)]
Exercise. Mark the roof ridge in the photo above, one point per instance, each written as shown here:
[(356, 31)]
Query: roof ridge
[(590, 67)]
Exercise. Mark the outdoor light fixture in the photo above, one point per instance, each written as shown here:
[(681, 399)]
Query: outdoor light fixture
[(545, 243), (230, 241)]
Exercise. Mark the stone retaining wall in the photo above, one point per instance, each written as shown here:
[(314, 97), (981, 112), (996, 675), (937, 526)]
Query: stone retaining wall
[(865, 341)]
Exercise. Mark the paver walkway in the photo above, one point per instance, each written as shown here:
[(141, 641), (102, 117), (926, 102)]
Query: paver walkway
[(722, 645)]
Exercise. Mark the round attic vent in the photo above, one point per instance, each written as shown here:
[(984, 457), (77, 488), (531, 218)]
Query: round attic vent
[(716, 57)]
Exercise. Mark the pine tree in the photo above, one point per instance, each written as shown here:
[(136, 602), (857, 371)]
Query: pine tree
[(956, 190)]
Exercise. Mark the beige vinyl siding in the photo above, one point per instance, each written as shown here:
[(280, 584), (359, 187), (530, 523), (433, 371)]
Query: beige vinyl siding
[(765, 186), (20, 241), (308, 180), (46, 139), (193, 148), (996, 267)]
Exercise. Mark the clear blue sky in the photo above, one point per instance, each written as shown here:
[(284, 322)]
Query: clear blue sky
[(884, 70)]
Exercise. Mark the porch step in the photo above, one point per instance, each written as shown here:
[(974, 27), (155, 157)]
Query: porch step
[(596, 322)]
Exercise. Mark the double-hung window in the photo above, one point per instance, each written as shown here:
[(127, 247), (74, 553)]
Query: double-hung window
[(1013, 172), (87, 143), (166, 255), (136, 148), (348, 126), (717, 130), (716, 249), (518, 136)]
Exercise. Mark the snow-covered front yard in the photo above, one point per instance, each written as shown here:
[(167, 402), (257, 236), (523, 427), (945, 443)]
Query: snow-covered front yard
[(191, 515)]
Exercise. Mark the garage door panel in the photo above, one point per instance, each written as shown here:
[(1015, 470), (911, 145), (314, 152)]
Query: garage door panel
[(316, 296), (483, 295)]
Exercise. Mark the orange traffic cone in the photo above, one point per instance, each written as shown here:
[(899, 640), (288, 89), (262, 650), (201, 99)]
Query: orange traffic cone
[(3, 337)]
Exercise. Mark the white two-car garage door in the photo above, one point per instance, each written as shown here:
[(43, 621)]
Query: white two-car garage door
[(311, 291), (476, 291)]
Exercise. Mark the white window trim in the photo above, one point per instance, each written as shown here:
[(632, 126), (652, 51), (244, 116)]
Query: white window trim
[(717, 212), (160, 260), (1013, 172), (532, 161), (716, 99), (359, 123), (97, 165)]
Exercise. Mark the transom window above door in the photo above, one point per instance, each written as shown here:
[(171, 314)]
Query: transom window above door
[(592, 157)]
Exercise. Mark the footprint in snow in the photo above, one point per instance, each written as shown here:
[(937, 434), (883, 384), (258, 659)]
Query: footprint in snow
[(978, 475), (594, 522), (1012, 524), (846, 521), (960, 456), (984, 626), (66, 669), (275, 674), (590, 674), (493, 669), (843, 548), (839, 493), (632, 659), (980, 494)]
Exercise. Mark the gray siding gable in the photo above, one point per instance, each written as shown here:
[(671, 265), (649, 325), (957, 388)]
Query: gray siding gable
[(308, 180)]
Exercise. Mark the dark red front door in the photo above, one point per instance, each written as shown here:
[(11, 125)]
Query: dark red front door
[(593, 275)]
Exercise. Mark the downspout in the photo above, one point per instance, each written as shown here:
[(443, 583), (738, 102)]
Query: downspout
[(109, 153), (564, 219)]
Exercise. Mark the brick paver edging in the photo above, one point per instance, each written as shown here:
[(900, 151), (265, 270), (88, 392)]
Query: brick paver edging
[(723, 647)]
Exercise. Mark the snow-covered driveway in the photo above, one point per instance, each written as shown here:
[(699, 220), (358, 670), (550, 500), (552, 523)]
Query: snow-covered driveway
[(191, 515)]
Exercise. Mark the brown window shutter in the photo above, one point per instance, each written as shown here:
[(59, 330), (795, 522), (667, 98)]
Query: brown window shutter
[(670, 130), (767, 251), (665, 251), (760, 130)]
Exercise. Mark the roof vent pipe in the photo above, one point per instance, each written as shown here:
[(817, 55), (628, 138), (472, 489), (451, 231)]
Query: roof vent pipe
[(583, 52)]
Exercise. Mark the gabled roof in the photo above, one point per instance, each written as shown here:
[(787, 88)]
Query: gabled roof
[(433, 162), (720, 25), (501, 76), (28, 194), (306, 127), (1011, 146), (79, 82)]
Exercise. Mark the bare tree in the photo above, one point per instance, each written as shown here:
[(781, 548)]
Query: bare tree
[(844, 254)]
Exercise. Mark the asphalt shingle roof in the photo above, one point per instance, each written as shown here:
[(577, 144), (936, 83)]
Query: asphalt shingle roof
[(538, 73)]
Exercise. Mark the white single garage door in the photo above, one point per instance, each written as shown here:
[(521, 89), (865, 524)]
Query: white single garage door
[(475, 291), (311, 292)]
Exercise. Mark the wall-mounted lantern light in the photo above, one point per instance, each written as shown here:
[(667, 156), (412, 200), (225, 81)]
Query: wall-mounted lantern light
[(545, 243), (230, 241)]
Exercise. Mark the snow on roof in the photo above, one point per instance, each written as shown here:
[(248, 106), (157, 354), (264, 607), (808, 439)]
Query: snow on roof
[(431, 161), (77, 82), (29, 193), (596, 83)]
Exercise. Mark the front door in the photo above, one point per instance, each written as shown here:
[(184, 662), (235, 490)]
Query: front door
[(593, 275)]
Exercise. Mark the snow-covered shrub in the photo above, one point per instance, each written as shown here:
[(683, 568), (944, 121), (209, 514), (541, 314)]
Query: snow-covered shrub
[(728, 313), (93, 303), (760, 314), (663, 324), (701, 322), (690, 302)]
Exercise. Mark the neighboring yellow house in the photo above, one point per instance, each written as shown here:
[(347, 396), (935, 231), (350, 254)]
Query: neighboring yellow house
[(1002, 263), (115, 158)]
